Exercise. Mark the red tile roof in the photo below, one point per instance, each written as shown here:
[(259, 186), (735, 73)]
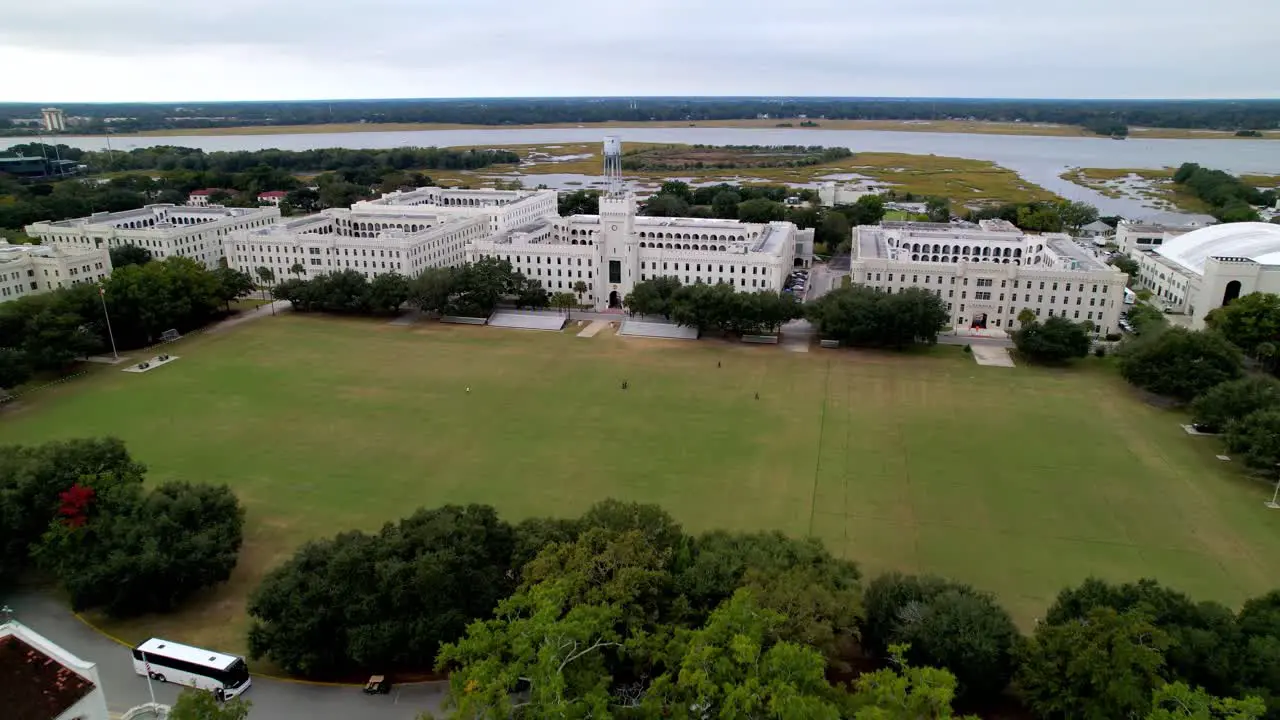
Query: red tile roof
[(203, 192), (272, 193), (34, 686)]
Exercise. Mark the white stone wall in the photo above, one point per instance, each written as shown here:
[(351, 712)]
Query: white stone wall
[(165, 230), (29, 270)]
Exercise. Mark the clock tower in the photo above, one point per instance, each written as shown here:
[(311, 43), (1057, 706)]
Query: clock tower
[(618, 249)]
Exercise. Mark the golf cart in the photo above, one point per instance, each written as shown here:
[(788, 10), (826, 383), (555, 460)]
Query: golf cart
[(377, 685)]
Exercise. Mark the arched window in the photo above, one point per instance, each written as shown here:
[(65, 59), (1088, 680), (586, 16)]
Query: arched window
[(1232, 292), (946, 249), (915, 258)]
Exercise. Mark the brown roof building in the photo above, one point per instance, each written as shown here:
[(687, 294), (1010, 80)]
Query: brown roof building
[(41, 681)]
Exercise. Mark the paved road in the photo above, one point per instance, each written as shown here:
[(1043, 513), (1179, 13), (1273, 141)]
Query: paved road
[(822, 279), (272, 699)]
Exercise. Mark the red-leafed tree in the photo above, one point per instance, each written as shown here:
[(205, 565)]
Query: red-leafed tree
[(74, 507)]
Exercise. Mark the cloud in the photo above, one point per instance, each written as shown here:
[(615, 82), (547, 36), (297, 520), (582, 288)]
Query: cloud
[(162, 50)]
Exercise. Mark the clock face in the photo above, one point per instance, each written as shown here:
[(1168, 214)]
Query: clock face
[(613, 227)]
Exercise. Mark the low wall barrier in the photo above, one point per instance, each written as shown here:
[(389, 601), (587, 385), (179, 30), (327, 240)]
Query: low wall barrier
[(760, 339), (462, 320)]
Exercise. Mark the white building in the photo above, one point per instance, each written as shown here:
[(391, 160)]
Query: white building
[(989, 274), (1198, 271), (616, 249), (406, 232), (31, 269), (832, 193), (165, 230), (274, 197), (1140, 236), (401, 232), (53, 119), (39, 680)]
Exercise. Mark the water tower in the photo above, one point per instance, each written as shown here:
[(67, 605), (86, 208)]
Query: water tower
[(613, 166)]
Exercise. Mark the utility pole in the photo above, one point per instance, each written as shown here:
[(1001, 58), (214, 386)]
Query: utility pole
[(102, 295)]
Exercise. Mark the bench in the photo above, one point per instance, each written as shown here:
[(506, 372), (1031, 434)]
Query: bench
[(832, 344), (462, 320), (761, 339)]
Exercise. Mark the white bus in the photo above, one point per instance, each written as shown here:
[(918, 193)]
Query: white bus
[(165, 661)]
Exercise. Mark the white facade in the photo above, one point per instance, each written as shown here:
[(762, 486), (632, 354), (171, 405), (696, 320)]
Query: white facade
[(165, 230), (1135, 236), (832, 193), (616, 249), (31, 269), (91, 705), (989, 274), (407, 232), (53, 119), (1199, 271)]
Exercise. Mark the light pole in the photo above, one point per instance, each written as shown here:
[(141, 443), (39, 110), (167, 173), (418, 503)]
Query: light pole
[(1272, 502), (102, 295)]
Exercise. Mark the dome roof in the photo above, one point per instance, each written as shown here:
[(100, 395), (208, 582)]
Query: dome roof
[(1256, 241)]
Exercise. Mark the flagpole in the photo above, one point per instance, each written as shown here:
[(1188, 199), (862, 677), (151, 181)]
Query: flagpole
[(102, 295), (147, 665)]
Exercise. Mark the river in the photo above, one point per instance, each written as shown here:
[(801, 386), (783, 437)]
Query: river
[(1038, 159)]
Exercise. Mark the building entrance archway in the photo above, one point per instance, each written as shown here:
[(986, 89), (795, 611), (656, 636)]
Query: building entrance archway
[(614, 301), (979, 321)]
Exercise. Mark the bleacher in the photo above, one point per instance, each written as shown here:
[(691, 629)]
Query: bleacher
[(524, 320), (644, 328)]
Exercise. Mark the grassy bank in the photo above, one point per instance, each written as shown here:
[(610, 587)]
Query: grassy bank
[(939, 126), (1156, 185), (920, 463), (963, 180)]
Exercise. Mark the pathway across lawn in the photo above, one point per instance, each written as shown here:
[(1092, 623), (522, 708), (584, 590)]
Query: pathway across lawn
[(1018, 480)]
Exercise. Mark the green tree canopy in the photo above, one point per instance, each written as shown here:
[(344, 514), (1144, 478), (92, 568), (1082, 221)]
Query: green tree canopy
[(858, 315), (1180, 363), (1256, 437), (1103, 666), (1231, 401), (1248, 321), (1055, 340)]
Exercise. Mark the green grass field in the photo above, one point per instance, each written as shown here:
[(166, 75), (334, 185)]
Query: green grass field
[(1019, 481)]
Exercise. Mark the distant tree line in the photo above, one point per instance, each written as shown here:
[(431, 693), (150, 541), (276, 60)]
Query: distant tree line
[(77, 510), (48, 332), (1208, 114), (685, 157), (1229, 198), (168, 174), (619, 613)]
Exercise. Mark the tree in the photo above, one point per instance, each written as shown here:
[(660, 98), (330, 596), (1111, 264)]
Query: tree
[(665, 206), (858, 315), (1039, 217), (1055, 340), (432, 289), (947, 625), (32, 479), (531, 294), (1204, 640), (725, 204), (1145, 319), (1126, 265), (540, 655), (1256, 437), (866, 210), (122, 255), (1231, 401), (387, 292), (732, 667), (397, 595), (1180, 363), (564, 301), (146, 552), (1075, 215), (652, 297), (618, 517), (196, 704), (938, 209), (14, 368), (834, 230), (232, 284), (298, 269), (580, 202), (1106, 665), (1248, 321), (304, 199), (677, 188), (1179, 701), (907, 693), (266, 277), (761, 210), (1026, 316), (581, 288)]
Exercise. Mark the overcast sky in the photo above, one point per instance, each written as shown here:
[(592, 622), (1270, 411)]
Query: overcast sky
[(184, 50)]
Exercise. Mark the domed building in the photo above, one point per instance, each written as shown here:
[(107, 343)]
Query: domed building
[(1199, 271)]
